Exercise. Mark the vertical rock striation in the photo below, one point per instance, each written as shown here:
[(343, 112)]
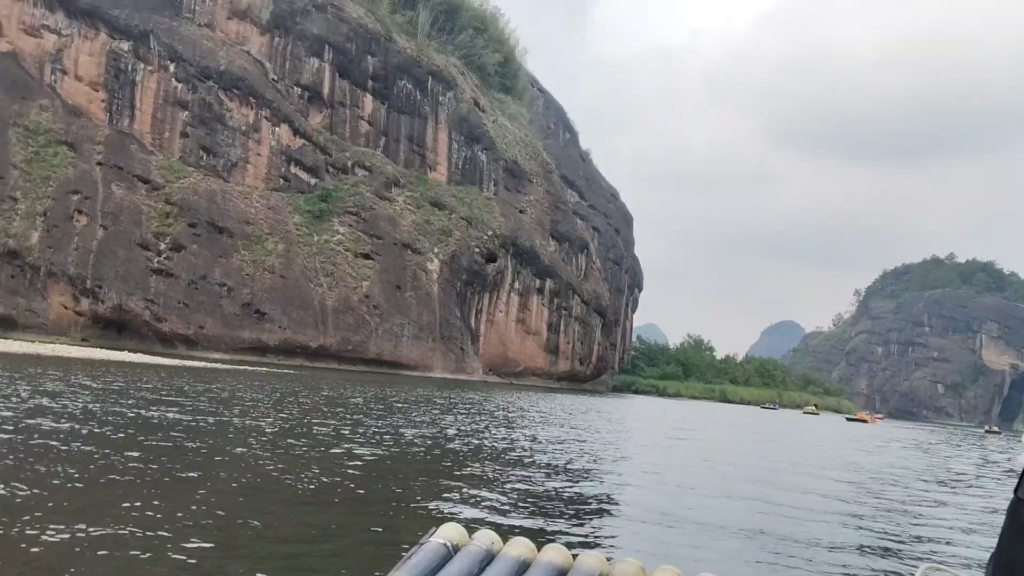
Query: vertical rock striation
[(939, 339), (283, 176)]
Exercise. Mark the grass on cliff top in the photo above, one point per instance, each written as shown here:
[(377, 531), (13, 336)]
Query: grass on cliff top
[(477, 36), (474, 32), (949, 272), (42, 160), (729, 394)]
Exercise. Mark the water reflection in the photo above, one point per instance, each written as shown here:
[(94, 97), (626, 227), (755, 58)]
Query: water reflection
[(109, 468)]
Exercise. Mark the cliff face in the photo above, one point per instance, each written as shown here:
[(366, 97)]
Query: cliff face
[(777, 340), (284, 176), (945, 354)]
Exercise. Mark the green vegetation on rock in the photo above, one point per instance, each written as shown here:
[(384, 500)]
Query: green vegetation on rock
[(929, 339), (332, 198), (172, 172), (510, 128), (474, 32), (42, 160), (443, 214), (937, 273), (332, 247), (691, 368), (164, 220), (821, 351), (260, 253), (475, 36), (163, 217), (328, 219)]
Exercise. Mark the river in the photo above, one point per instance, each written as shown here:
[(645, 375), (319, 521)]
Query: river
[(129, 469)]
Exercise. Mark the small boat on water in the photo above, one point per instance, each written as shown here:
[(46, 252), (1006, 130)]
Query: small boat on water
[(772, 406), (993, 430), (863, 418), (812, 410)]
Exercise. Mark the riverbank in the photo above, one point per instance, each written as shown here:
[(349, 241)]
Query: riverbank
[(124, 351), (729, 394), (52, 349)]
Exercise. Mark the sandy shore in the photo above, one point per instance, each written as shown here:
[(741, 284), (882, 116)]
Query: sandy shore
[(29, 344), (89, 353)]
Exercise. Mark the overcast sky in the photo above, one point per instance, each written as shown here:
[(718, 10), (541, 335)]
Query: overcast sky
[(777, 154)]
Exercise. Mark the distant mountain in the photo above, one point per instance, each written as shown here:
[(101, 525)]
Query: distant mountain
[(941, 339), (651, 333), (777, 340)]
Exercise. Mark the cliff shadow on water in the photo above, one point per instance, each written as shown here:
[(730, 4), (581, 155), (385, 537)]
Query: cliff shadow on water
[(303, 178)]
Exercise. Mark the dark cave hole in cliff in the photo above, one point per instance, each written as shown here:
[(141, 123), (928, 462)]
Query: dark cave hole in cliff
[(1010, 408), (116, 326), (491, 257)]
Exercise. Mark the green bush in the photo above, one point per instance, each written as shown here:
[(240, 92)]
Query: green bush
[(695, 360), (44, 159), (172, 172), (442, 214), (474, 32), (329, 199)]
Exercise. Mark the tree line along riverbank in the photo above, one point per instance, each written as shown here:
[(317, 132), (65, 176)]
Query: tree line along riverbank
[(692, 369)]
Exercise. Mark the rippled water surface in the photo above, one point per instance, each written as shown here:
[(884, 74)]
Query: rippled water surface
[(121, 469)]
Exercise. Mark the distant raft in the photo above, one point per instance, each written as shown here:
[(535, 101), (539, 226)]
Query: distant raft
[(449, 551)]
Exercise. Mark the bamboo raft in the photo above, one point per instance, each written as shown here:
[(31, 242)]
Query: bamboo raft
[(449, 551)]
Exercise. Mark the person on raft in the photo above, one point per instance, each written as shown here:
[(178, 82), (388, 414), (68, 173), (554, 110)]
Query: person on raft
[(1008, 557)]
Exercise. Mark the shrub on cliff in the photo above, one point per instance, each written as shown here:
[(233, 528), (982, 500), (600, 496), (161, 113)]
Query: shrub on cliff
[(41, 161), (474, 32)]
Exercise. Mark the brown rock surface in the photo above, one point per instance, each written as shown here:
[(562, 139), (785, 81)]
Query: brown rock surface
[(160, 162), (917, 349)]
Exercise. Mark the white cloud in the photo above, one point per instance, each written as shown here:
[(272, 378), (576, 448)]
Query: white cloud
[(624, 27), (883, 80), (808, 146)]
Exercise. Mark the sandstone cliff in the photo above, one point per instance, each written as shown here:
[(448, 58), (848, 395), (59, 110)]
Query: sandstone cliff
[(940, 340), (292, 177)]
